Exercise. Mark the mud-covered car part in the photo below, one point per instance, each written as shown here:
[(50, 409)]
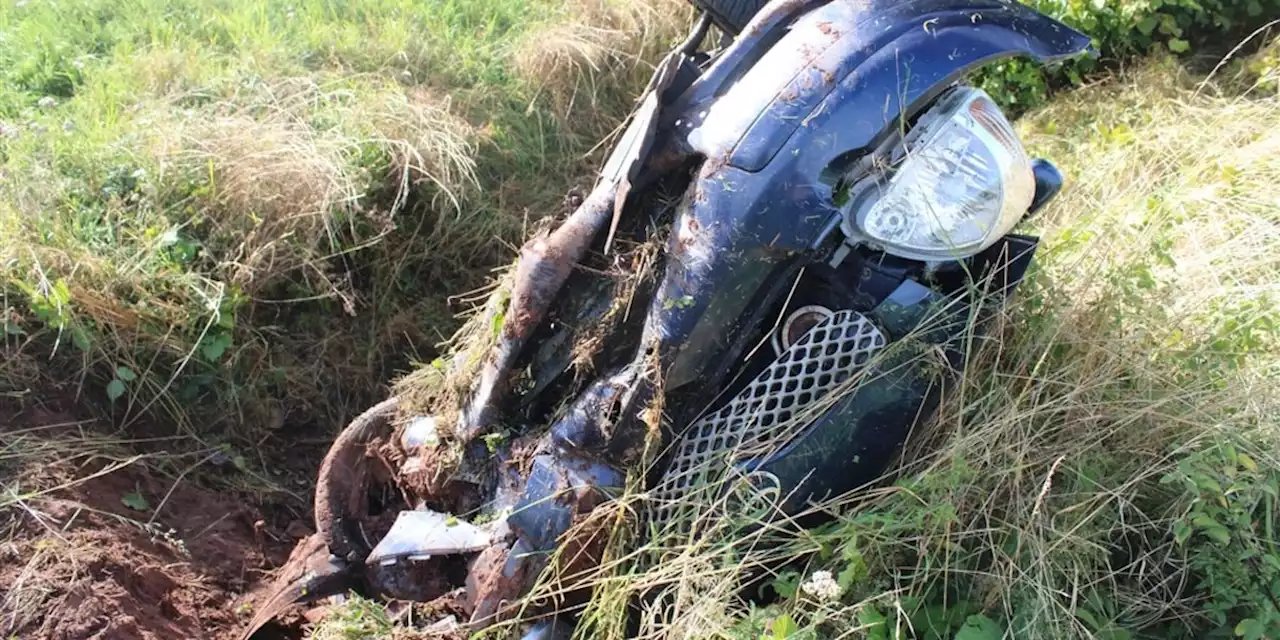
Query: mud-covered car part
[(759, 139)]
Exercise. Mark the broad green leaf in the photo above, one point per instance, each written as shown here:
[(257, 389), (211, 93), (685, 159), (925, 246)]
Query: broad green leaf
[(1271, 560), (1247, 462), (783, 627), (80, 338), (855, 570), (61, 293), (1087, 618), (980, 627), (126, 374), (873, 623), (115, 389), (1205, 521), (135, 501), (1112, 632), (213, 348), (1251, 629), (1181, 531), (1178, 45), (496, 326), (1219, 534), (787, 584), (1206, 483), (227, 312), (937, 621)]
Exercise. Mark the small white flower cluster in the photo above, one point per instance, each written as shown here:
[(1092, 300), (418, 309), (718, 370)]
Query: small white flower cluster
[(168, 536), (822, 586)]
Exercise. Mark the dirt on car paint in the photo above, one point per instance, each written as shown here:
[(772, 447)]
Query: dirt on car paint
[(128, 553)]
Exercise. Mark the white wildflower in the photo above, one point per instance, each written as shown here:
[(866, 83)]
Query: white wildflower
[(822, 586), (47, 102), (11, 131)]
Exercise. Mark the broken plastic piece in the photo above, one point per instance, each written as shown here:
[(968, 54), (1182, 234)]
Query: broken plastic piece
[(423, 533), (420, 558), (446, 625)]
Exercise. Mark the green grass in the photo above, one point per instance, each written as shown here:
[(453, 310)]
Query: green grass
[(258, 209)]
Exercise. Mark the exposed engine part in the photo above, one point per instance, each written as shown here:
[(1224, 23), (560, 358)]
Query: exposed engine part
[(762, 417)]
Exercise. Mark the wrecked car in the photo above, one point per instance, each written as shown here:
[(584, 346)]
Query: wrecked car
[(786, 257)]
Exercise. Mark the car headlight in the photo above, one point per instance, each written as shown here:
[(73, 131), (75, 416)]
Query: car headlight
[(962, 181)]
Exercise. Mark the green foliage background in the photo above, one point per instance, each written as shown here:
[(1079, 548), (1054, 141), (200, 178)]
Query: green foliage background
[(1124, 29)]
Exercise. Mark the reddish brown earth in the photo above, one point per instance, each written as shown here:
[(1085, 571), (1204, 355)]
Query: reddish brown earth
[(79, 563)]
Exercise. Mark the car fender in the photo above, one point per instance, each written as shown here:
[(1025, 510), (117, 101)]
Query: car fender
[(860, 65)]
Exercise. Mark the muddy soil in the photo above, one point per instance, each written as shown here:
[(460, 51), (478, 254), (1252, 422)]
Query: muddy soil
[(82, 562)]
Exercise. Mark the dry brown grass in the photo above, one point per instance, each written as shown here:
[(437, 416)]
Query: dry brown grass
[(275, 188), (600, 52), (283, 194)]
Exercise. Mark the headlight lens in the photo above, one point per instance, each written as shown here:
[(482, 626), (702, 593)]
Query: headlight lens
[(963, 182)]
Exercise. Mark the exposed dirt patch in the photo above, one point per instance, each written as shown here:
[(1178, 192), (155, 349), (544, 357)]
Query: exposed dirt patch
[(89, 560)]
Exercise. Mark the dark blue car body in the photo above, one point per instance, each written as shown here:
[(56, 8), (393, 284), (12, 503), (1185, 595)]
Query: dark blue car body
[(759, 138)]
